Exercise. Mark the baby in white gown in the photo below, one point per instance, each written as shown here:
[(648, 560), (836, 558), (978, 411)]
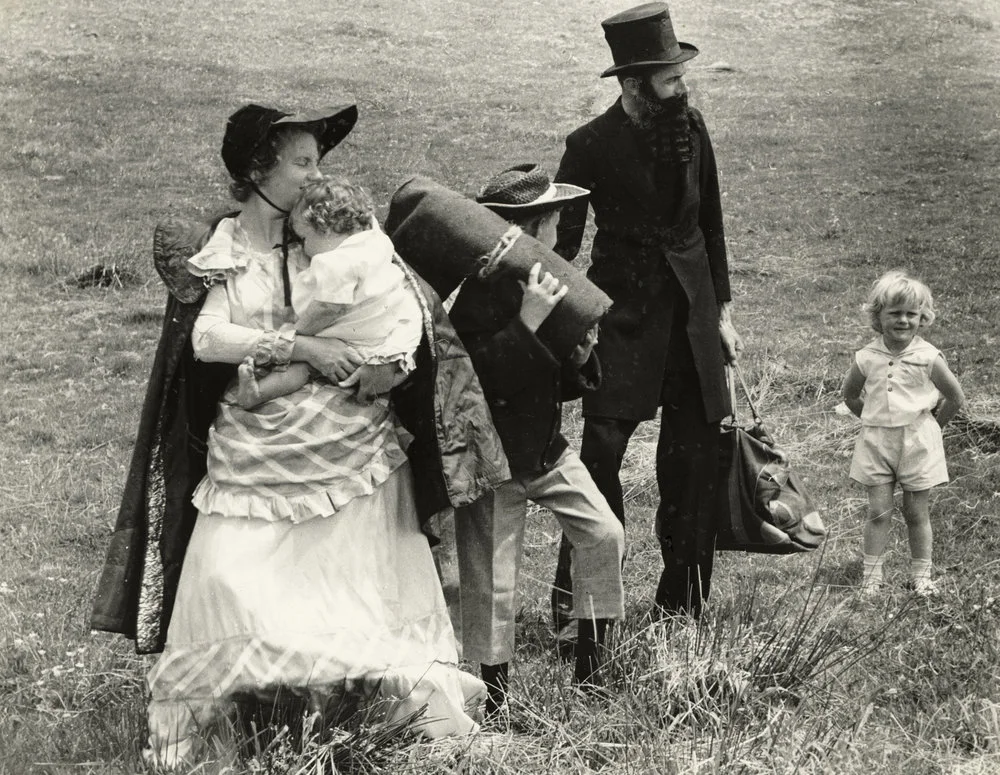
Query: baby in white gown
[(351, 291)]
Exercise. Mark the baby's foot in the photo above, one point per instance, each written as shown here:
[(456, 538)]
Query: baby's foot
[(248, 392)]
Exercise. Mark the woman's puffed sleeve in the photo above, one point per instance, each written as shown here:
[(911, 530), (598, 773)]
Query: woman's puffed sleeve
[(215, 338)]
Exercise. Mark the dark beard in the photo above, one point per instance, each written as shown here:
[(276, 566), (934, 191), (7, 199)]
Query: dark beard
[(665, 125)]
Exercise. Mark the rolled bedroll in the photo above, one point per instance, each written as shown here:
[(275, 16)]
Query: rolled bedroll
[(447, 237)]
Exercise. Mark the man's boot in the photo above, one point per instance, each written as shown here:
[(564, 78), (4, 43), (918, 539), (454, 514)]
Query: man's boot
[(496, 678)]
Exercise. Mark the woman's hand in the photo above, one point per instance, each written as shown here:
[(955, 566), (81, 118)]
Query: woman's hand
[(374, 380), (540, 297), (334, 359)]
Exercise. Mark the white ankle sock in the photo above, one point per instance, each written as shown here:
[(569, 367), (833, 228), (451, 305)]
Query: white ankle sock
[(920, 569), (871, 572)]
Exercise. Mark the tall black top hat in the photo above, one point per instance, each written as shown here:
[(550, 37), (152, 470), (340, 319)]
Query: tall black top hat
[(644, 37), (249, 126)]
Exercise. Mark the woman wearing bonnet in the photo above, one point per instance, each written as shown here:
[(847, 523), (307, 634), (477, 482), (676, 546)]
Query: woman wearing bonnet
[(305, 567)]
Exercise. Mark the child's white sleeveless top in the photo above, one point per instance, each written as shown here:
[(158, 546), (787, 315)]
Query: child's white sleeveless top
[(898, 387)]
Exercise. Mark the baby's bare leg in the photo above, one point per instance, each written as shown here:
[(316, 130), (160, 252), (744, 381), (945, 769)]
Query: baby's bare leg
[(270, 386)]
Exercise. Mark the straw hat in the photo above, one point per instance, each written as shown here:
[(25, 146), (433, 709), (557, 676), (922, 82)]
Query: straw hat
[(524, 191)]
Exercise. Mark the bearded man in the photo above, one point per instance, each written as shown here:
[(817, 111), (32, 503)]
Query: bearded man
[(659, 252)]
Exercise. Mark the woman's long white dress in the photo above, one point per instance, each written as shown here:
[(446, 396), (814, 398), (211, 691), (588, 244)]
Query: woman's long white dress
[(306, 569)]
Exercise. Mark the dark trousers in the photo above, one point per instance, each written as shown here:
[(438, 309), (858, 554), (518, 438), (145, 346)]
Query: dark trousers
[(686, 474)]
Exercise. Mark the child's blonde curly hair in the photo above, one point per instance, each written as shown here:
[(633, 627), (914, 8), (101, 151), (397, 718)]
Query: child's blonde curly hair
[(897, 287), (334, 206)]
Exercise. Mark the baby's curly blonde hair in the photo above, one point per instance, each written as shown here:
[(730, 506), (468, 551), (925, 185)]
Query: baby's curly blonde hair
[(334, 206), (897, 287)]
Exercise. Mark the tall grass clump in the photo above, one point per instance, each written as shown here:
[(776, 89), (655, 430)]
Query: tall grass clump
[(291, 739), (743, 683)]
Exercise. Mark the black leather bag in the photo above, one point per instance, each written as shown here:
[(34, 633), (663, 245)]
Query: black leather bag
[(763, 504)]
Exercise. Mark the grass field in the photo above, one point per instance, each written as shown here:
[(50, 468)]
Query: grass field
[(852, 137)]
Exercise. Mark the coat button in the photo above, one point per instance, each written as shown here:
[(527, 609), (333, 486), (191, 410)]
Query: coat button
[(503, 402), (890, 390)]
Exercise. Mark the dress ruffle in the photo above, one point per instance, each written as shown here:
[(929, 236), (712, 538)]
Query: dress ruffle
[(210, 498), (300, 456), (223, 256)]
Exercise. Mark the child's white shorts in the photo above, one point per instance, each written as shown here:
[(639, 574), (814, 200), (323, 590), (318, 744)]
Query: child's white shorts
[(912, 455)]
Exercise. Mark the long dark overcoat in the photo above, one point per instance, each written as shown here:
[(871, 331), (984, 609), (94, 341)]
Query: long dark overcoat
[(642, 234), (456, 454)]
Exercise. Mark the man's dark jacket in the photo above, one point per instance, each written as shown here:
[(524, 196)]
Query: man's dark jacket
[(524, 383), (456, 455), (645, 233)]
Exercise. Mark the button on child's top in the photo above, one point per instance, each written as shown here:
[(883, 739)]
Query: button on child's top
[(897, 396)]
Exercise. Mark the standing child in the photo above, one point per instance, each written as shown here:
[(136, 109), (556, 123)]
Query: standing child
[(500, 320), (351, 291), (894, 383)]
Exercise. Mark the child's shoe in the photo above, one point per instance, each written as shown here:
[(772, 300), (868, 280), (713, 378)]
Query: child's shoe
[(920, 577), (924, 587), (566, 640), (871, 575)]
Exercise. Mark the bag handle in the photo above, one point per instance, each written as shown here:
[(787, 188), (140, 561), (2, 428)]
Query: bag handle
[(730, 368)]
